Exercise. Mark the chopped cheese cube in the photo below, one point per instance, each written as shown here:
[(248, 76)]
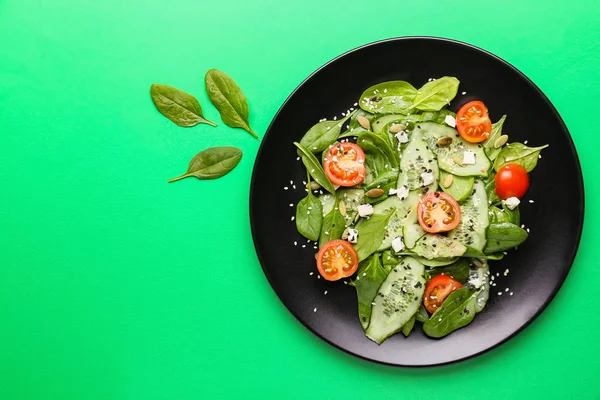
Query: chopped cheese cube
[(352, 235), (468, 158), (512, 202), (427, 178), (398, 244), (365, 210), (450, 121)]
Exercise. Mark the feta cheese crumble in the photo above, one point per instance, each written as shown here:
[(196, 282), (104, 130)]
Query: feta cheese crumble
[(427, 178), (511, 202), (352, 235), (468, 158), (365, 210), (450, 121), (402, 137), (398, 244), (402, 192)]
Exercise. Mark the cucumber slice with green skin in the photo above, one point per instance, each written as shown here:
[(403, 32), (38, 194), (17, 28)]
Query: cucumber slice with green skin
[(417, 158), (474, 219), (411, 229), (446, 154), (397, 300), (433, 246), (461, 186), (395, 225)]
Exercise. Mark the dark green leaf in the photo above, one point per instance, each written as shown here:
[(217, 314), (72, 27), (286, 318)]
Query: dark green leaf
[(514, 215), (390, 259), (458, 270), (212, 163), (435, 95), (334, 225), (180, 107), (490, 189), (474, 253), (371, 233), (370, 276), (309, 217), (518, 153), (456, 311), (393, 97), (229, 99), (503, 236), (422, 315), (408, 326), (322, 134), (314, 168), (489, 145)]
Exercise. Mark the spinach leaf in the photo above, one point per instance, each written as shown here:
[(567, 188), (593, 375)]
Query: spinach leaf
[(370, 276), (456, 311), (435, 95), (490, 189), (371, 143), (458, 270), (408, 326), (490, 144), (503, 236), (334, 225), (180, 107), (497, 215), (422, 315), (514, 216), (314, 168), (390, 259), (474, 253), (229, 100), (393, 97), (371, 233), (520, 154), (212, 163), (322, 134), (309, 217)]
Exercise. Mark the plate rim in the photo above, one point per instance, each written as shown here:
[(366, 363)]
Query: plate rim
[(579, 178)]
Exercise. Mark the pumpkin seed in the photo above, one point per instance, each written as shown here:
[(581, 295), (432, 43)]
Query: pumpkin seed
[(345, 234), (457, 160), (501, 141), (444, 141), (477, 263), (374, 193), (397, 128), (313, 185), (356, 218), (448, 181), (342, 207), (364, 122)]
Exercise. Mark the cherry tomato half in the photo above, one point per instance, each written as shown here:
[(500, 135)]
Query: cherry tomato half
[(473, 122), (337, 259), (436, 291), (344, 164), (511, 181), (438, 212)]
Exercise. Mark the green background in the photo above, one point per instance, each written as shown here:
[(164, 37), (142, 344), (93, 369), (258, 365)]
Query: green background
[(117, 285)]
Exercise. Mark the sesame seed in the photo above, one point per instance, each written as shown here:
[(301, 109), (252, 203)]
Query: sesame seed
[(373, 303), (540, 156), (297, 158), (318, 276), (497, 273), (499, 293), (327, 233), (285, 188), (525, 142), (355, 104), (531, 201), (463, 93), (315, 310), (506, 290), (522, 226), (311, 273), (293, 218), (527, 230), (358, 278), (335, 118), (291, 204), (505, 253), (296, 244), (439, 319), (345, 282), (291, 182), (303, 246), (316, 247), (364, 274), (293, 186), (511, 293)]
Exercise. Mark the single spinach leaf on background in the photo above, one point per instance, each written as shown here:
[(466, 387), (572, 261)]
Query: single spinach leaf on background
[(503, 236), (435, 95), (408, 326), (371, 275), (309, 217), (489, 145), (228, 99), (322, 134), (422, 315), (314, 168), (371, 233), (333, 227), (212, 163), (393, 97), (518, 153), (180, 107), (456, 311)]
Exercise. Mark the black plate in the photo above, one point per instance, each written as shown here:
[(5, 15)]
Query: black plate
[(537, 268)]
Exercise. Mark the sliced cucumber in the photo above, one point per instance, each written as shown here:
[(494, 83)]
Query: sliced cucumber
[(378, 123), (479, 278), (460, 187), (352, 199), (416, 159), (433, 246), (455, 150), (474, 219), (438, 262), (397, 300), (327, 201), (395, 225), (411, 229)]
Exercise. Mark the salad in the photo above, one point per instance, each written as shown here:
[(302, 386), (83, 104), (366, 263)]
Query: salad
[(411, 202)]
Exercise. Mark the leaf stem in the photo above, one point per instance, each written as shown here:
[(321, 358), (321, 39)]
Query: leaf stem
[(179, 177)]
